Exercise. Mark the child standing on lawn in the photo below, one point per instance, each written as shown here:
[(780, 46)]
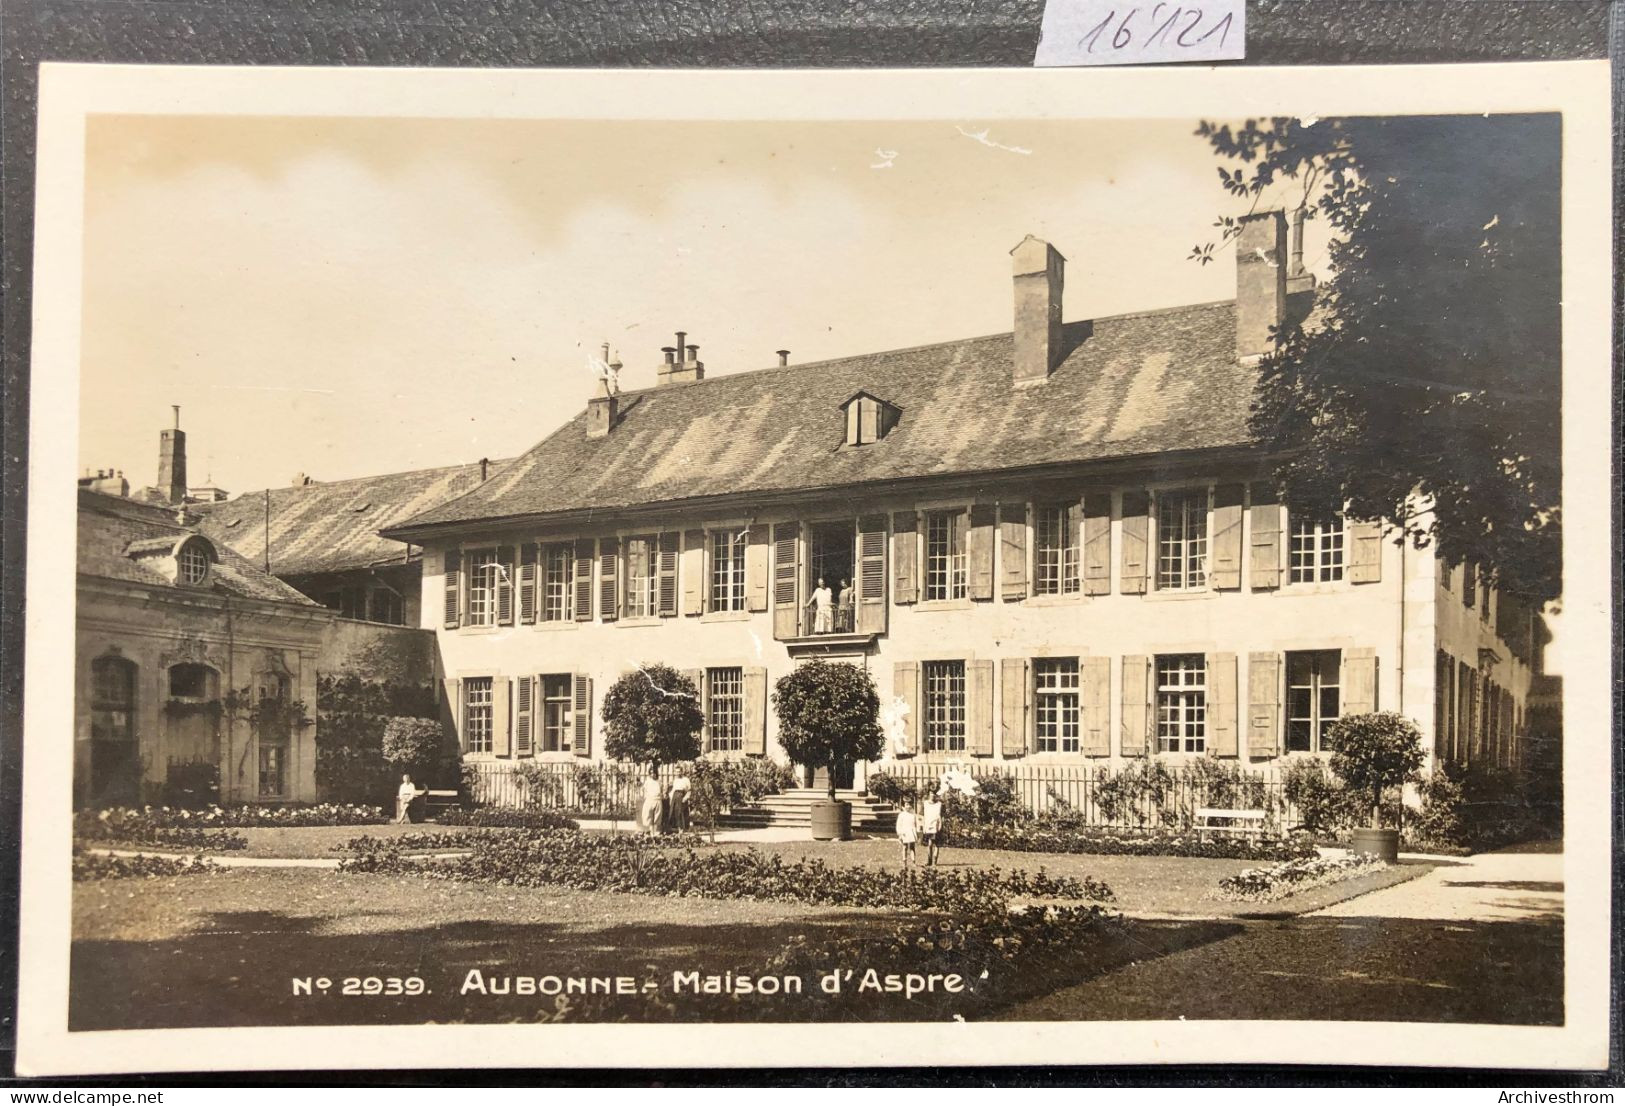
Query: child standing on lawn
[(907, 834), (930, 827)]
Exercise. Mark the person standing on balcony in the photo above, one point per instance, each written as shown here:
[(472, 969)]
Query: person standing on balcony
[(843, 608), (823, 608)]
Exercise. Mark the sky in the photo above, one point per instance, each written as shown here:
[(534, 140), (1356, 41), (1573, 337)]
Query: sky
[(341, 297)]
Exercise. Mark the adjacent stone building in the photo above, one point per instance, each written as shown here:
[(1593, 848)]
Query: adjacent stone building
[(191, 663), (1057, 545)]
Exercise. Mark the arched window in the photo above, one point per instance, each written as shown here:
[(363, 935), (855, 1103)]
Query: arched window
[(193, 563), (193, 682), (112, 700)]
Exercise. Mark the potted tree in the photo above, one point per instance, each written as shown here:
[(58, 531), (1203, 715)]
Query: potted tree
[(829, 718), (1371, 753), (652, 716)]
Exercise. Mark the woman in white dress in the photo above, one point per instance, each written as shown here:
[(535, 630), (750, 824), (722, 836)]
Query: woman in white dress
[(823, 605), (651, 802)]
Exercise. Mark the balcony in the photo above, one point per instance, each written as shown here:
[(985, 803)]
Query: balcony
[(838, 637)]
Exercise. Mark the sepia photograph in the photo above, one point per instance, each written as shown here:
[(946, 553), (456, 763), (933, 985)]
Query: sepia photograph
[(582, 559)]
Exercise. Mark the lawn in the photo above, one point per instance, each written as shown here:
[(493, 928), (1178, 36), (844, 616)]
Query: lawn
[(226, 948)]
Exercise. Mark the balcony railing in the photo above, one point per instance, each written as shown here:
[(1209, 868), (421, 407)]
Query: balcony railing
[(837, 620)]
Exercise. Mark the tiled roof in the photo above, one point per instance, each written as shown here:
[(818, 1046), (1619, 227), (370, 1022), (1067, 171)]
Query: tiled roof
[(1131, 385), (329, 527), (112, 528)]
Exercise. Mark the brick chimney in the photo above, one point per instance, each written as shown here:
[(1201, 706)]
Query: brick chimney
[(1039, 271), (172, 462), (1261, 271), (602, 410), (682, 364)]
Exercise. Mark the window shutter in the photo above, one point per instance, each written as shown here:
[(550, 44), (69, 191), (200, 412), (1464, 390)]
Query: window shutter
[(1097, 544), (756, 572), (1264, 704), (755, 711), (527, 583), (1136, 537), (609, 579), (668, 574), (1014, 728), (1137, 714), (697, 675), (979, 708), (1221, 703), (523, 713), (505, 571), (905, 548), (501, 731), (453, 709), (1013, 551), (871, 582), (1095, 674), (582, 601), (1264, 552), (868, 420), (694, 575), (1365, 552), (453, 573), (786, 580), (1226, 561), (979, 551), (906, 686), (581, 716), (1359, 682)]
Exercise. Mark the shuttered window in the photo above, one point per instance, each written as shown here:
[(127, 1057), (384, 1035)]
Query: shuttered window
[(556, 566), (727, 591), (641, 578), (483, 573), (1313, 698), (1181, 703), (725, 709), (945, 706), (1317, 549), (945, 555), (1182, 540), (558, 722), (1055, 551), (1055, 695), (477, 714)]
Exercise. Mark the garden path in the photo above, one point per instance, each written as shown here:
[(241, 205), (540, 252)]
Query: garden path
[(1521, 884)]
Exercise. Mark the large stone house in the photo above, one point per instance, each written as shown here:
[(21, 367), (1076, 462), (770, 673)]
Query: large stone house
[(1057, 545), (188, 655)]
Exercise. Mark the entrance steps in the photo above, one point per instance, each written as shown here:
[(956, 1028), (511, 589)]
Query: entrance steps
[(794, 808)]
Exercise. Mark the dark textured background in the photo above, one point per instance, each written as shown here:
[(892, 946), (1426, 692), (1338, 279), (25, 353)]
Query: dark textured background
[(677, 33)]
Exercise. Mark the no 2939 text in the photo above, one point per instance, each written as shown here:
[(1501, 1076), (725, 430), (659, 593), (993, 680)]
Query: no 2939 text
[(360, 985)]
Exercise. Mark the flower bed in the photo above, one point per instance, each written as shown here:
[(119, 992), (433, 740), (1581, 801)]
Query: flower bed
[(1041, 835), (1281, 880), (236, 817), (88, 866), (507, 818), (612, 863), (139, 827)]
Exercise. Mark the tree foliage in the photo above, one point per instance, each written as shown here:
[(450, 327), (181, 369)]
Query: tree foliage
[(414, 744), (652, 716), (1431, 361), (1373, 752), (828, 716)]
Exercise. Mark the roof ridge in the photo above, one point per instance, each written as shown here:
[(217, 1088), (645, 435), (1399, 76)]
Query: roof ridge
[(357, 480), (658, 389)]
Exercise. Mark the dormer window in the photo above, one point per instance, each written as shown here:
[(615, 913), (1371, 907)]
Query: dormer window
[(192, 563), (868, 419)]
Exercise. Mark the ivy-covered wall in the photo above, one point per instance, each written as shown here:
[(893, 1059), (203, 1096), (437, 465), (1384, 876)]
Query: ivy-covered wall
[(368, 674)]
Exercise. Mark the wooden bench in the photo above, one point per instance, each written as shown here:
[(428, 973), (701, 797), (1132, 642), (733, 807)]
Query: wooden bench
[(1240, 823), (436, 802)]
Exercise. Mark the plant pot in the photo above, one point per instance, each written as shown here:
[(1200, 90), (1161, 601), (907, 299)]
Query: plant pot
[(1380, 843), (831, 821)]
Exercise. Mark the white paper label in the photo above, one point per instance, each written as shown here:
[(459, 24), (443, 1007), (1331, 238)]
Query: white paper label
[(1116, 32)]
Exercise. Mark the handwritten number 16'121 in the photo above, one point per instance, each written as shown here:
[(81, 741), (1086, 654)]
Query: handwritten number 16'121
[(1168, 30)]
